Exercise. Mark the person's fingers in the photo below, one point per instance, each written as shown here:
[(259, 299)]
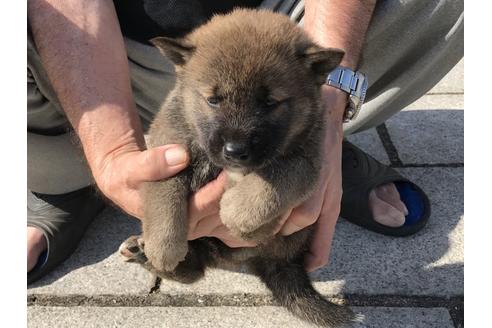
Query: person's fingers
[(157, 163), (237, 243), (319, 251), (206, 200), (133, 204), (305, 214), (204, 226), (223, 233), (282, 221), (211, 226)]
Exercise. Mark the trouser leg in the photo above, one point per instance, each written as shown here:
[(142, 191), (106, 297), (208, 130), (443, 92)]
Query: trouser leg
[(55, 160), (55, 163)]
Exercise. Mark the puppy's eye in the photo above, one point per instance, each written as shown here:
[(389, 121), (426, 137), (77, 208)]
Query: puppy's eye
[(271, 103), (213, 102)]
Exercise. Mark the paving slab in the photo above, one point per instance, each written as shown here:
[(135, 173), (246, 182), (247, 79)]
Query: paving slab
[(222, 317), (95, 267), (453, 81), (430, 131), (362, 262)]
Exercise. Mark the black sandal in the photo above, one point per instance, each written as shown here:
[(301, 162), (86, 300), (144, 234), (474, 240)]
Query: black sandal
[(63, 220), (360, 174)]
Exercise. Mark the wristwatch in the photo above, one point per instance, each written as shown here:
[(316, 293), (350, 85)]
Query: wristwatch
[(353, 83)]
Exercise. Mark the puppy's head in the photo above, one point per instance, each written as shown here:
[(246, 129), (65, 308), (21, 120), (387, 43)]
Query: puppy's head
[(250, 82)]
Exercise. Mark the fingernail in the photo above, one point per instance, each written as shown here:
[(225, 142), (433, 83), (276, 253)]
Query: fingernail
[(175, 156)]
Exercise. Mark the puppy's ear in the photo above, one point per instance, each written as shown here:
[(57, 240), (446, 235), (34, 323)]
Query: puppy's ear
[(322, 60), (178, 51)]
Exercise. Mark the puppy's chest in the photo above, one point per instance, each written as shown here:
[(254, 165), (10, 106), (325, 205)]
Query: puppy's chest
[(234, 177), (203, 172)]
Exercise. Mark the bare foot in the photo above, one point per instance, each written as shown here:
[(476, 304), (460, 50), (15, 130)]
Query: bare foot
[(36, 244), (386, 206)]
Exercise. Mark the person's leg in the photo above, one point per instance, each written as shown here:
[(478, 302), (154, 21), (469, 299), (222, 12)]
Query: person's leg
[(59, 200), (55, 164), (152, 78), (408, 48)]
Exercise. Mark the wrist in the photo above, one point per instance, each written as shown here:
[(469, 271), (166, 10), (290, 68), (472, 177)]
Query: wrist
[(109, 170), (335, 101), (107, 134)]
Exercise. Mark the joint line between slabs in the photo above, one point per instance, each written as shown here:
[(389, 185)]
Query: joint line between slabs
[(388, 145)]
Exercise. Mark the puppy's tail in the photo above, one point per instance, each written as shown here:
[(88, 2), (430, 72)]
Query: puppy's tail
[(292, 288)]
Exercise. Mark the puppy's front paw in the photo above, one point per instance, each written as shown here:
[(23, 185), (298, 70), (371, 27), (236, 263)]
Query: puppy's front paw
[(262, 234), (247, 216), (132, 250), (165, 256)]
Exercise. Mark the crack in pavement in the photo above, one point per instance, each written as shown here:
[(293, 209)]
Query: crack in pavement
[(388, 145), (240, 299)]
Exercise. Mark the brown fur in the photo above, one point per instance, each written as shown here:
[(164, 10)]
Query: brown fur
[(265, 74)]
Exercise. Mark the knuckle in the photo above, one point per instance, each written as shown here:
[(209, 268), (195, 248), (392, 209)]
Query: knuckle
[(109, 187), (145, 158)]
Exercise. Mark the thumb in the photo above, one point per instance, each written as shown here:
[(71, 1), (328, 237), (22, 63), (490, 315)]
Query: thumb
[(205, 201), (159, 163)]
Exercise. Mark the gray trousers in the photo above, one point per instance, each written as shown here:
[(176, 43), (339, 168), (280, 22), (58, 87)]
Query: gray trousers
[(409, 47)]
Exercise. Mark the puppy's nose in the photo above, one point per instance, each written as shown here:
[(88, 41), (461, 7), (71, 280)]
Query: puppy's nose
[(235, 151)]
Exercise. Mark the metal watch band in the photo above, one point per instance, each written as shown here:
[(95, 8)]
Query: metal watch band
[(354, 83)]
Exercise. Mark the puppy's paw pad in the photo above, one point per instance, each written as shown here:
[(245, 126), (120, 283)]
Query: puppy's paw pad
[(132, 250)]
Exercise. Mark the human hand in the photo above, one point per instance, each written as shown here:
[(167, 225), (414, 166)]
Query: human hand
[(122, 174), (323, 207)]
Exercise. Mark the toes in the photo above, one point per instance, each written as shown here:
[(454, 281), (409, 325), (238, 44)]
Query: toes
[(32, 259), (385, 213), (389, 194), (36, 244)]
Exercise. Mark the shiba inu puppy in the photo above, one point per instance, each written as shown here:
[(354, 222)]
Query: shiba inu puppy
[(247, 100)]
